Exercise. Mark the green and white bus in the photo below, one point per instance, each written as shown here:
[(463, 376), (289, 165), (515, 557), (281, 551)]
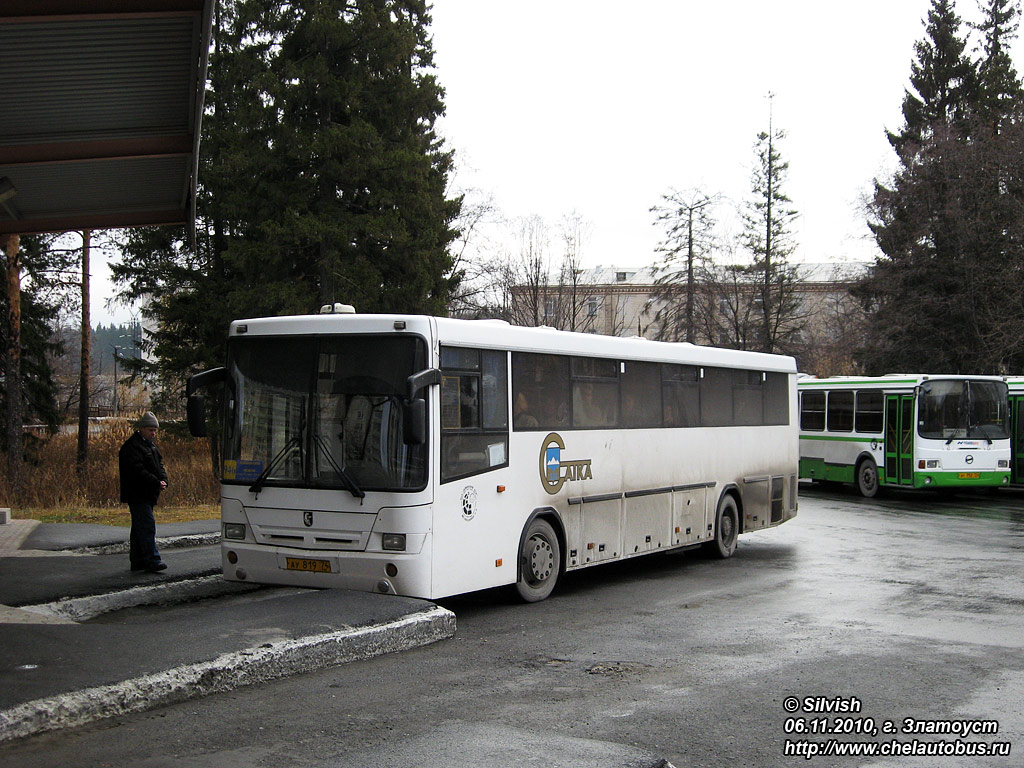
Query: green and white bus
[(1016, 385), (427, 456), (906, 431)]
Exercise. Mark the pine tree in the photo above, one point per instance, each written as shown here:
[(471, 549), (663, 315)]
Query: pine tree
[(40, 299)]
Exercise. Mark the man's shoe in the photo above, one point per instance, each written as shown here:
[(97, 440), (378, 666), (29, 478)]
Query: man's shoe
[(156, 567)]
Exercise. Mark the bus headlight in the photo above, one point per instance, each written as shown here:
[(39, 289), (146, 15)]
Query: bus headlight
[(234, 530), (1004, 463), (393, 541)]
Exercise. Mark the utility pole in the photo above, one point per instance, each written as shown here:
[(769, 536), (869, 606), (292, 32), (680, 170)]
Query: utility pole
[(82, 466)]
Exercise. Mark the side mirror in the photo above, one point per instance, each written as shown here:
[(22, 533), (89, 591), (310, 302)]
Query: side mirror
[(414, 422), (196, 410)]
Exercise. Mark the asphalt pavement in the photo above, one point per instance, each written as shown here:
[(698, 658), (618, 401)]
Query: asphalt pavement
[(82, 637)]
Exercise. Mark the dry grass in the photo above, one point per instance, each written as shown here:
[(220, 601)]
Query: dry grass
[(53, 492), (117, 515)]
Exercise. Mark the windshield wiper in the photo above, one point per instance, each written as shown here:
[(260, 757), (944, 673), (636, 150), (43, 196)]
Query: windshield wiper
[(982, 429), (295, 442), (346, 479)]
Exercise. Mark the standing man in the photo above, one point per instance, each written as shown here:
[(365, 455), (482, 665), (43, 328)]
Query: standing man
[(142, 478)]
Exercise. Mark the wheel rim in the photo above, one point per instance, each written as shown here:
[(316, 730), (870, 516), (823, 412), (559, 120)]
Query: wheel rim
[(539, 560), (868, 480), (728, 527)]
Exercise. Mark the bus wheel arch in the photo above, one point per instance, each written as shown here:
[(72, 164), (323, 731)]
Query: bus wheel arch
[(728, 523), (541, 558), (866, 476)]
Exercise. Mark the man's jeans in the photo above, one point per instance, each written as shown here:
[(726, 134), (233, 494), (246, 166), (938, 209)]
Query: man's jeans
[(142, 551)]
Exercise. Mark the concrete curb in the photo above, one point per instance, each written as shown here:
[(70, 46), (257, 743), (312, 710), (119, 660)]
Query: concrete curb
[(227, 672), (167, 542), (13, 535), (165, 593)]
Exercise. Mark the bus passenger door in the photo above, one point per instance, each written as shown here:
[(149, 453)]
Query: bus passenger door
[(1017, 440), (899, 439)]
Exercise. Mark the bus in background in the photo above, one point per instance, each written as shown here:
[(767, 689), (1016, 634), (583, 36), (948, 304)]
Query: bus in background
[(1016, 385), (429, 457), (907, 430)]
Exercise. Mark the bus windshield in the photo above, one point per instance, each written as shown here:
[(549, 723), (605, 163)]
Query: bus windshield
[(322, 412), (949, 410)]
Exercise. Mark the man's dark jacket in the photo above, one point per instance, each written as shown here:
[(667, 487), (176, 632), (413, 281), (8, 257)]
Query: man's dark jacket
[(141, 468)]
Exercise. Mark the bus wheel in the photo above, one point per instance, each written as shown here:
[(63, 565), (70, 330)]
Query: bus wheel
[(727, 528), (867, 478), (540, 560)]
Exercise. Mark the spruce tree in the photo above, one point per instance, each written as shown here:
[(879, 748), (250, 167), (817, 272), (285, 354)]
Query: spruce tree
[(943, 79), (321, 179), (999, 93), (947, 223), (767, 236), (688, 218)]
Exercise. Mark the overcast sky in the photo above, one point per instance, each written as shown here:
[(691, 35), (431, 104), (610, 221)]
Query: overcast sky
[(555, 106), (599, 108)]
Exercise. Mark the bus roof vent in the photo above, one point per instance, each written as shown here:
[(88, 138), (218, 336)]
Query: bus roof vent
[(337, 309)]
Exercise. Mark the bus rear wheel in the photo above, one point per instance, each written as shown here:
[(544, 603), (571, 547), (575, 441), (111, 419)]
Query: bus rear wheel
[(867, 478), (540, 561), (727, 528)]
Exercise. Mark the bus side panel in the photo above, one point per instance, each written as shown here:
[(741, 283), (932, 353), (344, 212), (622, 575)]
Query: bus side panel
[(695, 463), (689, 515), (648, 523), (602, 530), (476, 533)]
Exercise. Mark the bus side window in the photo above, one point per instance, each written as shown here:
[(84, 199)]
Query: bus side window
[(541, 390), (869, 414), (812, 411), (640, 393), (681, 395), (474, 412), (595, 392), (776, 398), (840, 411), (716, 398)]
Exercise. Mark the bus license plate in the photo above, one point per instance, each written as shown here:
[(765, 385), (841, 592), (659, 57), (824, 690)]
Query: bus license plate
[(969, 475), (307, 564)]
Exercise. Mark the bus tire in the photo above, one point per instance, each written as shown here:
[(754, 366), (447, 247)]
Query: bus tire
[(540, 561), (727, 528), (867, 478)]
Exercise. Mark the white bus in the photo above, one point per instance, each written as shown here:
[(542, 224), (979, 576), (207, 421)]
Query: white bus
[(905, 430), (428, 457)]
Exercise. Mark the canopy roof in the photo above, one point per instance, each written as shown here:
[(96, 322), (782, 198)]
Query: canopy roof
[(100, 106)]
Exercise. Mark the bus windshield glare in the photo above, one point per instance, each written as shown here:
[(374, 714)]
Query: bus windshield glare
[(322, 412), (951, 410)]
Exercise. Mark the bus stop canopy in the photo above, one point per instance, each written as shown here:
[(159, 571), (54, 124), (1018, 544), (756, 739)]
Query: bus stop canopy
[(100, 107)]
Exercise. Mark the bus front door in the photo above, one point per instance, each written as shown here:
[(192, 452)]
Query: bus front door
[(899, 439), (1017, 440)]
